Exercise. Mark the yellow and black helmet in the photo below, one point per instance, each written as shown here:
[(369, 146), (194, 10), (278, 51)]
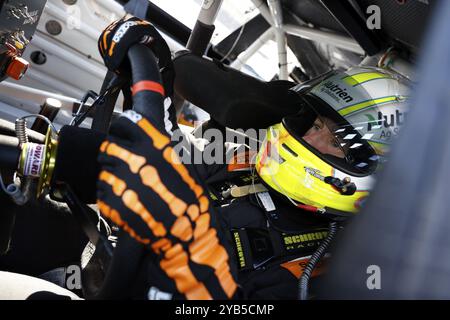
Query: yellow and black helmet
[(324, 157)]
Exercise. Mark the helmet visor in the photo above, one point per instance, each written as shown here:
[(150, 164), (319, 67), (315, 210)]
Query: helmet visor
[(323, 131)]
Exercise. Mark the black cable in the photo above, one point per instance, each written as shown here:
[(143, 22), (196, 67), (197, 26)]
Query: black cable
[(303, 283), (80, 115)]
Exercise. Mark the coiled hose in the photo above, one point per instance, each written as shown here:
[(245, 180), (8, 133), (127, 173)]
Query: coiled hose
[(21, 195), (21, 131), (303, 284)]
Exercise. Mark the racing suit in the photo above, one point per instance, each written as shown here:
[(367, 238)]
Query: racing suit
[(268, 240)]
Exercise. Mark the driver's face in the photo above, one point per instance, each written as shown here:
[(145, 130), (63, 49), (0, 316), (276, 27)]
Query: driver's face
[(321, 138)]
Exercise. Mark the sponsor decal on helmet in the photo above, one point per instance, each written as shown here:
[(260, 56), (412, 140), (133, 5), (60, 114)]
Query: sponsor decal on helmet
[(391, 121), (337, 92), (314, 172), (387, 120)]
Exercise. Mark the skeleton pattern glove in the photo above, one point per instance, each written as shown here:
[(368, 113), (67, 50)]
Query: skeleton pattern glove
[(119, 36), (145, 189)]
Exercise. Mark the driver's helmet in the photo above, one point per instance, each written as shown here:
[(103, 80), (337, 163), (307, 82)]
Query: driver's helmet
[(324, 157)]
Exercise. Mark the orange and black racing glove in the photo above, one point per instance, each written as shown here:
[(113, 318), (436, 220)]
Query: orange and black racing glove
[(120, 35), (145, 189)]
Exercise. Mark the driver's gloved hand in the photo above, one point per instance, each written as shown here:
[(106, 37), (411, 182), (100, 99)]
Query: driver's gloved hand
[(122, 34), (145, 189)]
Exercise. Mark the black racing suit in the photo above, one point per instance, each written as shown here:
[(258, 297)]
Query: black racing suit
[(268, 248), (277, 241)]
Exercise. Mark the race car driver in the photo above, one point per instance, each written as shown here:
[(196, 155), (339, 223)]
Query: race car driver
[(238, 230)]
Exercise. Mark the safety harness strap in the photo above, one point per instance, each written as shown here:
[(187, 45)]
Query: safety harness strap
[(257, 247)]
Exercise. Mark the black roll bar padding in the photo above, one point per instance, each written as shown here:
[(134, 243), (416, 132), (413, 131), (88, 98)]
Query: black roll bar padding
[(200, 37), (233, 99)]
